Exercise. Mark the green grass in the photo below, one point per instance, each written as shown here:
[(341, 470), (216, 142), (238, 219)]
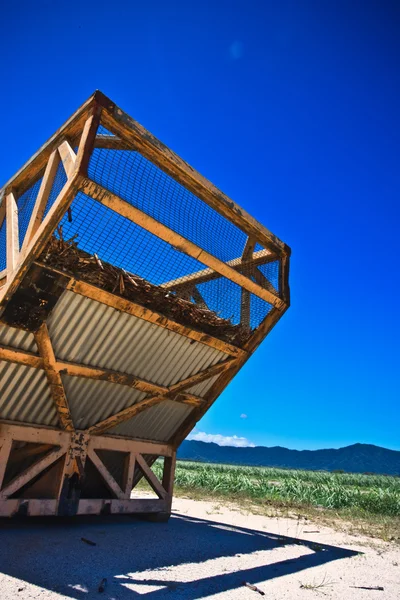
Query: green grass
[(371, 498)]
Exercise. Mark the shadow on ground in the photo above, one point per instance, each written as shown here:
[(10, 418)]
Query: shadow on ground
[(50, 554)]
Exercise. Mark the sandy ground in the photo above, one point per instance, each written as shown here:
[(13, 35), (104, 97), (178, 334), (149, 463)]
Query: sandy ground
[(207, 550)]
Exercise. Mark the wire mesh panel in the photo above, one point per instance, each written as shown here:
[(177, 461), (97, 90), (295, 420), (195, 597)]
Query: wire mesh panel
[(25, 205)]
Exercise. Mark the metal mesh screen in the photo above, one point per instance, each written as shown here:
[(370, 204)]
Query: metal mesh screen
[(60, 180), (25, 204), (135, 179), (97, 230)]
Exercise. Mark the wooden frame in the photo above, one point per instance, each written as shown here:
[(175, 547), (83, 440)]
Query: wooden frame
[(69, 452), (75, 447)]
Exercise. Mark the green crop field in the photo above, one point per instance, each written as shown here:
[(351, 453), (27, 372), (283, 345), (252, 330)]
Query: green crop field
[(372, 497)]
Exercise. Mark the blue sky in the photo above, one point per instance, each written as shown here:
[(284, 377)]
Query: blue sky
[(292, 109)]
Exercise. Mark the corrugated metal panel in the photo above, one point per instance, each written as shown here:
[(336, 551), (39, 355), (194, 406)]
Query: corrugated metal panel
[(92, 401), (88, 332), (158, 423), (202, 388), (17, 338), (25, 395)]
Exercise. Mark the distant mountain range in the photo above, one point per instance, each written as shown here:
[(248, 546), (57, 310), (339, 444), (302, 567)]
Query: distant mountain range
[(358, 458)]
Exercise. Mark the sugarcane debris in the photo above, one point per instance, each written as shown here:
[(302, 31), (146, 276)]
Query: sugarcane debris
[(64, 255)]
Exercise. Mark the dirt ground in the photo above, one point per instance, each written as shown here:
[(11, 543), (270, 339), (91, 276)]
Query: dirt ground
[(207, 550)]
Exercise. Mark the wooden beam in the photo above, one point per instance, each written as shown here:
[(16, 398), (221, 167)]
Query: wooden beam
[(202, 376), (124, 415), (259, 258), (42, 198), (5, 449), (45, 348), (245, 308), (131, 308), (12, 234), (262, 280), (106, 475), (75, 370), (68, 157), (139, 138), (28, 359), (150, 477), (284, 288), (21, 357), (28, 474), (28, 451), (115, 203), (87, 140), (248, 249), (35, 434), (110, 142), (129, 473), (121, 444)]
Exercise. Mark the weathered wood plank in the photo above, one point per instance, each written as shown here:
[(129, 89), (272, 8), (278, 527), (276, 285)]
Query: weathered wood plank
[(75, 370), (31, 472), (106, 475), (12, 234), (259, 258), (128, 445), (46, 352), (68, 157), (150, 477), (42, 198), (124, 415), (5, 449), (21, 357), (202, 376)]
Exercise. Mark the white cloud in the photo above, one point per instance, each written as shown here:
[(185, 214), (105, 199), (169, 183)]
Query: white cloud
[(221, 440), (243, 416)]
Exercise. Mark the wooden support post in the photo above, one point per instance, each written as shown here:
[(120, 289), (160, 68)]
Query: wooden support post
[(12, 234), (5, 449), (168, 478), (129, 472)]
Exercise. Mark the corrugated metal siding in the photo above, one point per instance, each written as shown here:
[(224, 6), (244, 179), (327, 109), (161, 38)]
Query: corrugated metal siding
[(202, 388), (17, 338), (88, 332), (25, 395), (92, 401), (158, 423)]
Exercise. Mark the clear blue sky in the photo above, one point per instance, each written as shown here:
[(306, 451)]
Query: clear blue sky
[(292, 109)]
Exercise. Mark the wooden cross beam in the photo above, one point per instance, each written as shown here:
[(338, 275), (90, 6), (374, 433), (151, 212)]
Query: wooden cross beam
[(46, 352)]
